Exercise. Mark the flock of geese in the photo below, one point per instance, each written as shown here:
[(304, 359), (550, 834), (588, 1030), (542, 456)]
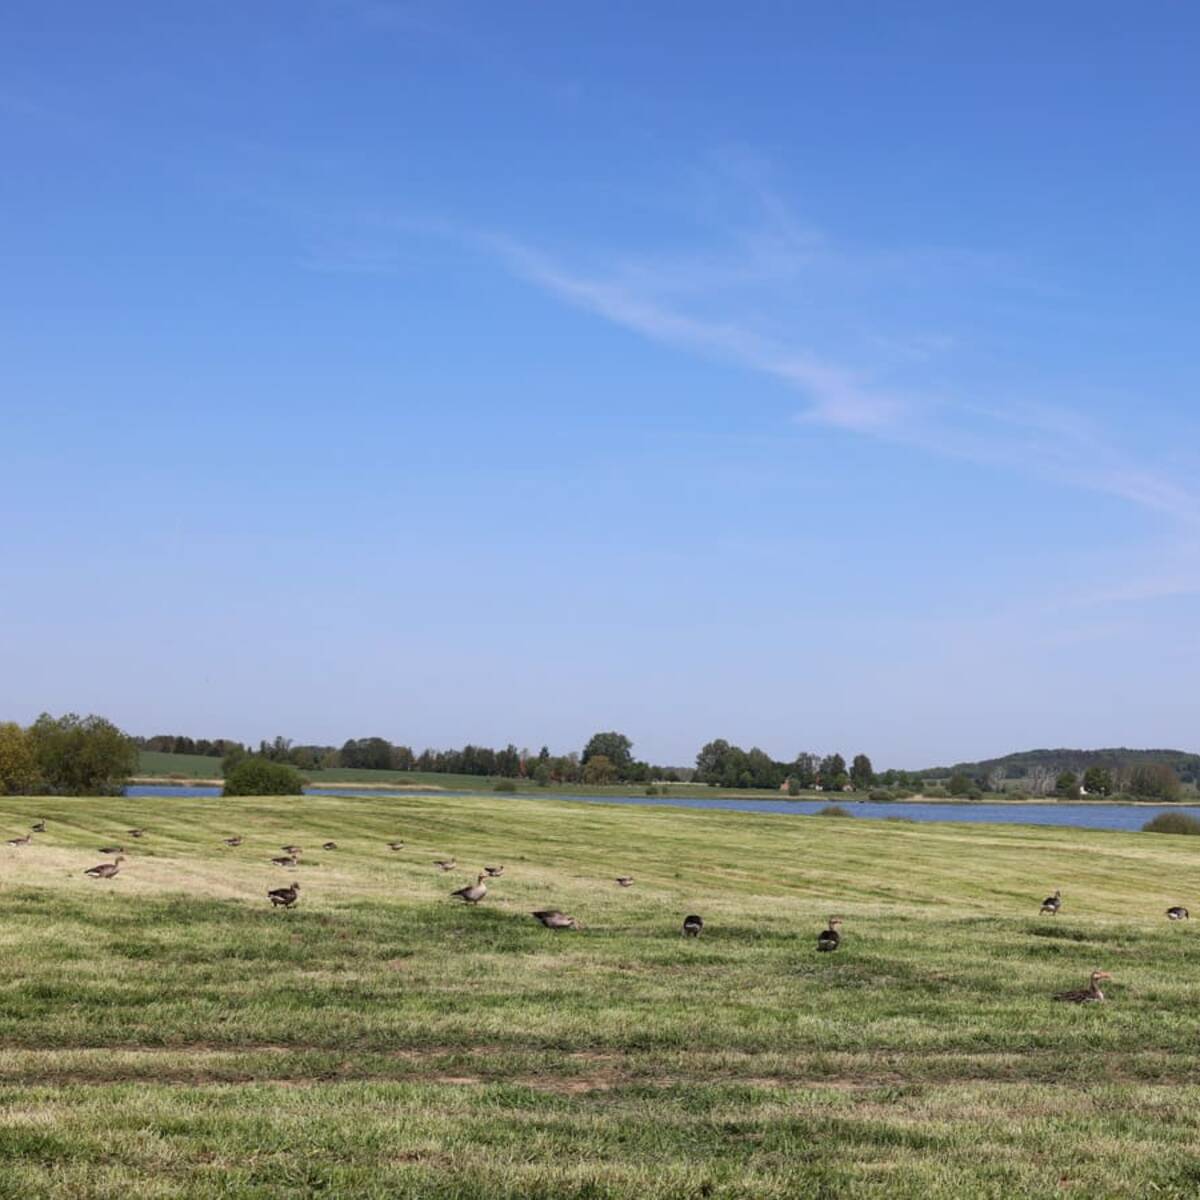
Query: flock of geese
[(828, 940)]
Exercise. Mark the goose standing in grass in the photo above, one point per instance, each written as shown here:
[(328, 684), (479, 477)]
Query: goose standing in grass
[(287, 896), (285, 860), (830, 939), (553, 919), (1088, 995), (112, 849), (692, 925), (294, 851), (473, 892), (447, 864), (135, 833), (233, 841), (625, 880), (23, 840), (106, 870), (329, 845), (395, 845), (39, 826), (494, 872), (1052, 904), (1177, 913)]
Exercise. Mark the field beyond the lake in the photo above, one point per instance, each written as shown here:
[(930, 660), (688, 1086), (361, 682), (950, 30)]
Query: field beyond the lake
[(166, 1033)]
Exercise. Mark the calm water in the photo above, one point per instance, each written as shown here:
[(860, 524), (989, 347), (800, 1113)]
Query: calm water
[(1085, 816)]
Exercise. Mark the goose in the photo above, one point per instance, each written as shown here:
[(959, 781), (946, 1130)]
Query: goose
[(494, 872), (1052, 904), (287, 896), (233, 841), (1177, 913), (294, 851), (112, 849), (830, 939), (329, 845), (106, 870), (285, 860), (23, 840), (395, 845), (1088, 995), (39, 826), (692, 925), (553, 919), (135, 833), (447, 864), (625, 880), (474, 892)]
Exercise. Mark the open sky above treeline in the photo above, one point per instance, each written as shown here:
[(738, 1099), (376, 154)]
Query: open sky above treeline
[(792, 375)]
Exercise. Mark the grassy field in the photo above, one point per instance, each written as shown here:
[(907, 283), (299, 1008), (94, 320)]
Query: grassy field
[(167, 1034)]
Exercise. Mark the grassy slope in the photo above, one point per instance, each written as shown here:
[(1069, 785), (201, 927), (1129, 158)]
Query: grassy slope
[(168, 1034)]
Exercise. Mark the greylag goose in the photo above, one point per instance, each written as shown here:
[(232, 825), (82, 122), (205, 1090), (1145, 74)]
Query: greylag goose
[(473, 892), (233, 841), (1052, 904), (106, 870), (1088, 995), (494, 872), (553, 919), (294, 851), (39, 826), (135, 833), (287, 896), (447, 864), (1177, 913), (112, 849), (329, 845), (23, 840), (285, 860), (625, 880), (395, 845), (692, 925), (830, 939)]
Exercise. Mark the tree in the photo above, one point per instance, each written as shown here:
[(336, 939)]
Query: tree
[(82, 756), (1067, 785), (862, 774), (599, 769), (1039, 780), (1154, 781), (258, 776), (19, 775), (803, 770), (959, 784), (833, 767), (616, 747), (710, 760), (1098, 781), (996, 778)]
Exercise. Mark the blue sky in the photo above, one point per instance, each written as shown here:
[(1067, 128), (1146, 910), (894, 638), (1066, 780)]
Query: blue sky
[(819, 377)]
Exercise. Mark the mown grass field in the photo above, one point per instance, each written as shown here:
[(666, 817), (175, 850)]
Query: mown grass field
[(167, 1034)]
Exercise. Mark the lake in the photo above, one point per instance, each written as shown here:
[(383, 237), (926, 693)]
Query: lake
[(1082, 816)]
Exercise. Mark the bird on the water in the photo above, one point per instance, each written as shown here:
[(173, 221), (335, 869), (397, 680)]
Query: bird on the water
[(106, 870), (287, 896), (473, 892), (553, 919), (1088, 995), (692, 925), (1052, 904), (830, 939), (1177, 913)]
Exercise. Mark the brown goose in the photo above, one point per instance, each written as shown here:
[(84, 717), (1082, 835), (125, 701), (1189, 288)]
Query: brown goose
[(285, 860), (112, 849), (39, 826), (135, 833), (1052, 904), (233, 841), (106, 870), (692, 925), (329, 845), (494, 872), (625, 880), (830, 939), (287, 896), (447, 864), (1088, 995), (24, 840), (395, 845), (474, 892), (1177, 913), (553, 919), (294, 851)]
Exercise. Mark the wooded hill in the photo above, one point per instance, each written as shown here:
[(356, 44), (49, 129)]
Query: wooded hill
[(1022, 764)]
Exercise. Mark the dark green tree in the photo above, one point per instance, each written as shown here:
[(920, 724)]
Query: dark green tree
[(833, 767), (1098, 781), (616, 747), (862, 774), (82, 756), (258, 776), (1067, 785)]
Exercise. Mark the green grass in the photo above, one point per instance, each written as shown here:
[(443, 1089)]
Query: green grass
[(167, 1034)]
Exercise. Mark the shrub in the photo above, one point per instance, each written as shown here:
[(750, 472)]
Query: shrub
[(82, 756), (1172, 823), (261, 777), (652, 790), (505, 785), (936, 793), (880, 795), (19, 774), (833, 810)]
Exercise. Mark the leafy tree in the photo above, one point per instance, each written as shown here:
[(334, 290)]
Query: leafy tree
[(366, 754), (541, 774), (599, 769), (19, 775), (1154, 781), (82, 756), (862, 774), (1098, 781), (1067, 785), (804, 769), (233, 756), (616, 747), (258, 776), (710, 760), (959, 784), (833, 767)]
